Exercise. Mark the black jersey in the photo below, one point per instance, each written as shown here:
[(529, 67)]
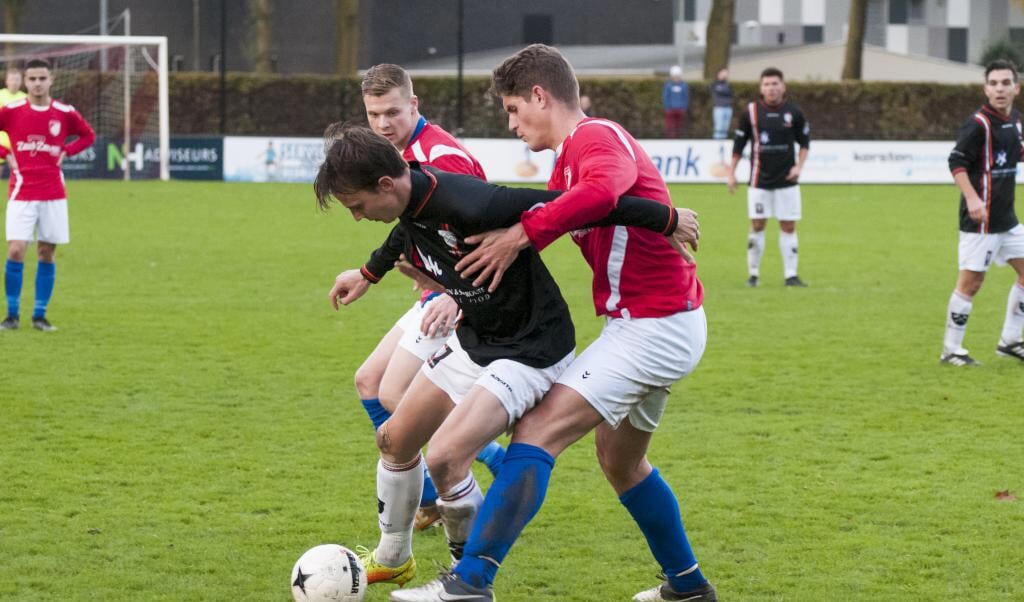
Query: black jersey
[(772, 131), (988, 149), (525, 319)]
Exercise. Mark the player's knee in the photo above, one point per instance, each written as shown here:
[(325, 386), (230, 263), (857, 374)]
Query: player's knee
[(757, 225), (440, 462), (16, 252), (787, 227), (367, 382)]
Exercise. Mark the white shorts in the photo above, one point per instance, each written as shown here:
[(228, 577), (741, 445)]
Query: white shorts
[(977, 251), (413, 340), (46, 221), (628, 370), (782, 203), (517, 386)]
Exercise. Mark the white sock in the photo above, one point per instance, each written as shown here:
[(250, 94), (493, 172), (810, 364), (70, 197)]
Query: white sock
[(398, 493), (755, 250), (788, 245), (1014, 324), (458, 508), (957, 312)]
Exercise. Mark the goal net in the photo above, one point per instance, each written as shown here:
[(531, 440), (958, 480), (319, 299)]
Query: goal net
[(119, 84)]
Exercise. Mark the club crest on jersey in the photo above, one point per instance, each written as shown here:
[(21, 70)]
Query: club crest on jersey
[(452, 241), (788, 118), (764, 137), (54, 127), (1001, 158), (567, 172)]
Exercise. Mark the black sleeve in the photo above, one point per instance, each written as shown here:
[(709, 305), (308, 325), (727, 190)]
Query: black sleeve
[(642, 213), (743, 132), (802, 130), (383, 259), (481, 206), (968, 142)]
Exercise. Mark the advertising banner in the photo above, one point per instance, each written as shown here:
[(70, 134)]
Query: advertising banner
[(259, 159), (192, 158)]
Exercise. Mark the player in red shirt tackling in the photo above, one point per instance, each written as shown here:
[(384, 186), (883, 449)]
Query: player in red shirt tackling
[(654, 335), (37, 206)]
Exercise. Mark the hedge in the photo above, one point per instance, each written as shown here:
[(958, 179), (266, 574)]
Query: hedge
[(304, 105)]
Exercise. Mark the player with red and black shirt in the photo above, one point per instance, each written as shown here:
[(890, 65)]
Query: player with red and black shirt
[(512, 344), (37, 207), (984, 167), (655, 334), (772, 125)]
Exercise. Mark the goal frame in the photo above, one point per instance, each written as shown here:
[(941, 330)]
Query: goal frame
[(111, 41)]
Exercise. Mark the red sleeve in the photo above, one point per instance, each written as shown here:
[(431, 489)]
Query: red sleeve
[(81, 128), (454, 163), (606, 172)]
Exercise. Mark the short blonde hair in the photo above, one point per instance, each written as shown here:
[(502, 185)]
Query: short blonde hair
[(383, 78)]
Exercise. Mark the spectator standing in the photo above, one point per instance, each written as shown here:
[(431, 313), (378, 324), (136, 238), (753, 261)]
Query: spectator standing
[(675, 97), (721, 98)]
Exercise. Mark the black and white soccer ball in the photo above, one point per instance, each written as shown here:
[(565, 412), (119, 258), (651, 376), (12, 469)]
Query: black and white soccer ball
[(328, 573)]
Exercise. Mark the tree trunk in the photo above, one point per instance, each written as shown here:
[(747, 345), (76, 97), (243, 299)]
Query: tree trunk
[(262, 15), (854, 58), (718, 37), (346, 37), (12, 21)]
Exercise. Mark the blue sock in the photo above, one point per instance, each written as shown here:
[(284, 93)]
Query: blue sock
[(492, 455), (46, 275), (378, 415), (655, 509), (12, 285), (429, 497), (512, 501)]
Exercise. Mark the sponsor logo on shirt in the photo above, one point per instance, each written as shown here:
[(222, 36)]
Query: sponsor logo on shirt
[(35, 144)]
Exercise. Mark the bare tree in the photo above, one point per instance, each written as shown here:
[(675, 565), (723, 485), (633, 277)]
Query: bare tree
[(719, 37), (12, 20), (346, 37), (262, 13), (854, 58)]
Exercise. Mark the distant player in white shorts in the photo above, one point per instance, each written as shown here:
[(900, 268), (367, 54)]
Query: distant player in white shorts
[(37, 207), (984, 166), (772, 125)]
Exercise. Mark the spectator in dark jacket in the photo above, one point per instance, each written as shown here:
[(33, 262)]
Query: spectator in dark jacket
[(721, 99)]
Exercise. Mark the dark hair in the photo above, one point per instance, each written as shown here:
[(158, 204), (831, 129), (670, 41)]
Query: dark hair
[(38, 64), (999, 65), (772, 72), (383, 78), (537, 65), (355, 159)]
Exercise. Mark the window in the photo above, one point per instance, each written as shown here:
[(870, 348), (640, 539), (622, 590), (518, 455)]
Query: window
[(814, 34), (897, 12), (958, 44), (690, 10)]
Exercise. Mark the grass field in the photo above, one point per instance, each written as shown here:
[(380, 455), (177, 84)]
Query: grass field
[(191, 429)]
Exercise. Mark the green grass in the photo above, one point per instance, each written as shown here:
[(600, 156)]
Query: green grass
[(192, 427)]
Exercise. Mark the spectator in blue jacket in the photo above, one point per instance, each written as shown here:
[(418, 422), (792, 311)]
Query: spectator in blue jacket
[(676, 99), (721, 99)]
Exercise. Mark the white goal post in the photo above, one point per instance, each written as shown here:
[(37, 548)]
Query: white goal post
[(116, 87)]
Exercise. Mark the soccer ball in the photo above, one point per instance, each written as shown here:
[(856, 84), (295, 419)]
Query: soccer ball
[(328, 573)]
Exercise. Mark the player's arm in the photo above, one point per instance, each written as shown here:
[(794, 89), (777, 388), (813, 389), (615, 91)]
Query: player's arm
[(744, 130), (81, 128), (803, 138), (962, 157)]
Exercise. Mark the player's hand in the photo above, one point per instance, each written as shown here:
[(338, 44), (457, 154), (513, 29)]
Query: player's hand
[(440, 316), (794, 174), (348, 286), (497, 250), (976, 209), (687, 232), (420, 281), (730, 181), (60, 159)]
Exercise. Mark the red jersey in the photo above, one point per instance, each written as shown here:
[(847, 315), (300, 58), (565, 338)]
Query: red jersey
[(431, 145), (37, 137), (637, 273)]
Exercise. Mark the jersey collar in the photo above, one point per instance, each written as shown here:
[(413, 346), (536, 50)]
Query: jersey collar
[(422, 123)]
